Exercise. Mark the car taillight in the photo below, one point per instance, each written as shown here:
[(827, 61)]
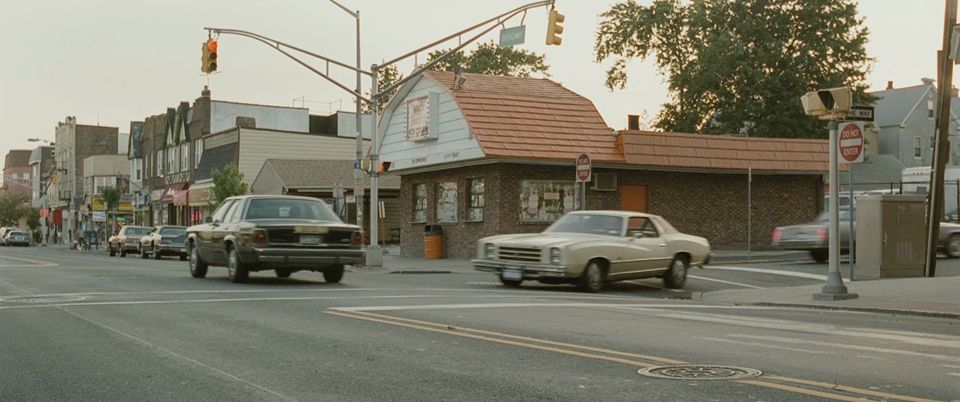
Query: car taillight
[(357, 238), (822, 233), (259, 236), (777, 234)]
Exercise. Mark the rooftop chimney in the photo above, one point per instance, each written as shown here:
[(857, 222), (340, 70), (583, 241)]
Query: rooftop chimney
[(205, 93), (889, 84), (633, 122)]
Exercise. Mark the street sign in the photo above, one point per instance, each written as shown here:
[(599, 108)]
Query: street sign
[(583, 168), (860, 113), (513, 36), (99, 216), (850, 142)]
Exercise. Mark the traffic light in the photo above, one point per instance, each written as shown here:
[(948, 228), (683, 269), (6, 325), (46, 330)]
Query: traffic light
[(384, 166), (827, 103), (209, 58), (555, 28)]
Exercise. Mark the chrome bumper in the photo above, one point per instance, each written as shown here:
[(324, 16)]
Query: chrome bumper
[(301, 258), (531, 270)]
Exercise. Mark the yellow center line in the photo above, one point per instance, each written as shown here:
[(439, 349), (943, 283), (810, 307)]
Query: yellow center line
[(848, 389), (524, 338), (832, 390)]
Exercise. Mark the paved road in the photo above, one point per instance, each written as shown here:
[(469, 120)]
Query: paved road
[(87, 327)]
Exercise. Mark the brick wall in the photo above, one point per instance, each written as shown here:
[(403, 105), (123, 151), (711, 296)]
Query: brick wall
[(709, 205)]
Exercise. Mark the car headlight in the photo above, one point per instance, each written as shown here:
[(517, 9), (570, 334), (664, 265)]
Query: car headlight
[(554, 255), (489, 251)]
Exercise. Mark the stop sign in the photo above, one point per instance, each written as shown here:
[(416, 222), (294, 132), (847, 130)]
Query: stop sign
[(850, 143), (583, 168)]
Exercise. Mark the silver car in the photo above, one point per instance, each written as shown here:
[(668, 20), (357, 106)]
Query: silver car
[(590, 248)]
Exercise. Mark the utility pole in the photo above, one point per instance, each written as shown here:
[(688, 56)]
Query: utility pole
[(374, 253), (942, 147)]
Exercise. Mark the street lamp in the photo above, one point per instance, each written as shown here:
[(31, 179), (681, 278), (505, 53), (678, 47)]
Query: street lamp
[(357, 172)]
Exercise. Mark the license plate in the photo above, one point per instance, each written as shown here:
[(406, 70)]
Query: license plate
[(512, 273), (309, 239)]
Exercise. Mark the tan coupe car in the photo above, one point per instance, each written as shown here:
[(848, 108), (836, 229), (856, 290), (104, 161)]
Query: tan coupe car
[(590, 248)]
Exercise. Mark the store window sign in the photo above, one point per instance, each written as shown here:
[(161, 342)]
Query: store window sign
[(447, 202), (418, 119), (97, 204), (546, 200)]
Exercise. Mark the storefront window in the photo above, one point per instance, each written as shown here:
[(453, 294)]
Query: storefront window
[(158, 162), (198, 152), (545, 200), (447, 202), (420, 203), (475, 210)]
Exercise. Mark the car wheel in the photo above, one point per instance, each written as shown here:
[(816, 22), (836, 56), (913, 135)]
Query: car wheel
[(143, 251), (156, 254), (282, 273), (592, 278), (198, 268), (952, 248), (513, 283), (183, 257), (333, 275), (236, 271), (123, 252), (110, 250), (820, 255), (676, 276)]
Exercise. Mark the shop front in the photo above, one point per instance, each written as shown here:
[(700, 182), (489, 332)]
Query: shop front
[(169, 207), (198, 202)]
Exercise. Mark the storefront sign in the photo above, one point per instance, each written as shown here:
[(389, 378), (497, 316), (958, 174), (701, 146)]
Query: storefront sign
[(418, 123), (126, 206), (99, 216), (170, 192), (198, 197), (97, 203)]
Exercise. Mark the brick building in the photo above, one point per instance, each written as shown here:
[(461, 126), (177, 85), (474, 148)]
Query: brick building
[(482, 155), (17, 174)]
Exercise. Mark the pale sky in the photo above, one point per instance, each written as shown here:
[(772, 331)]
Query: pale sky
[(110, 62)]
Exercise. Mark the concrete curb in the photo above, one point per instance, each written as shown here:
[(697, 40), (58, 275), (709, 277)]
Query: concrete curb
[(922, 313)]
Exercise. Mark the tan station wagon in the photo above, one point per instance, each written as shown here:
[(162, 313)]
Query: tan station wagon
[(590, 248)]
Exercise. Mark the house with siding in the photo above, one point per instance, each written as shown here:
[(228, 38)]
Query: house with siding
[(907, 122), (483, 155)]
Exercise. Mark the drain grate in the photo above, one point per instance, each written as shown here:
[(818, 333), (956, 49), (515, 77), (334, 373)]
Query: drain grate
[(699, 372), (42, 299)]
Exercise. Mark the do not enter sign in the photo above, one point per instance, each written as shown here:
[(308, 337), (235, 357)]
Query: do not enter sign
[(850, 143), (583, 168)]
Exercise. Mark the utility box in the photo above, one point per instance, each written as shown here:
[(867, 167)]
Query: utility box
[(891, 239)]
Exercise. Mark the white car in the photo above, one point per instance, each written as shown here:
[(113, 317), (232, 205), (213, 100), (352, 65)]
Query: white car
[(590, 248)]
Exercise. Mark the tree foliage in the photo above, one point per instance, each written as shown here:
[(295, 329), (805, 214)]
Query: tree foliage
[(111, 197), (226, 183), (33, 218), (12, 208), (739, 66), (386, 77)]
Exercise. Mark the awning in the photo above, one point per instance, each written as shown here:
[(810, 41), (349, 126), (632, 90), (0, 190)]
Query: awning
[(171, 191), (180, 198), (57, 217)]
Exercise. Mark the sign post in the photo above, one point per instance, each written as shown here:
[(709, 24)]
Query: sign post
[(584, 172), (850, 146)]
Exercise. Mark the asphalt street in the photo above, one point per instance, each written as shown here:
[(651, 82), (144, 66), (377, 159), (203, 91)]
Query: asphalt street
[(77, 326)]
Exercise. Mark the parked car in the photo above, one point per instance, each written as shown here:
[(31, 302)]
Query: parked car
[(16, 237), (814, 237), (591, 248), (281, 233), (165, 240), (126, 240)]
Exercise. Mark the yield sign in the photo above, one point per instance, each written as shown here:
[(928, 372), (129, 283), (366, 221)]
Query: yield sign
[(850, 142)]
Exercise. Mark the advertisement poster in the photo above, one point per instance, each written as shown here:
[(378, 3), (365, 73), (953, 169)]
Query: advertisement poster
[(447, 202), (544, 201)]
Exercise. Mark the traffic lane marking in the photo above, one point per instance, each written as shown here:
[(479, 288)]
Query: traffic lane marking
[(847, 346), (723, 281), (772, 272), (830, 392), (33, 262)]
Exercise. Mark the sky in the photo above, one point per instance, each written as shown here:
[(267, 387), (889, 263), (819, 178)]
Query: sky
[(110, 62)]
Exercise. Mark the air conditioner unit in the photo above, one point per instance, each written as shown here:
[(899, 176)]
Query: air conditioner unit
[(604, 182)]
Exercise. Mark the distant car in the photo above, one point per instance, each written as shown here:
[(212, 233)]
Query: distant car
[(3, 233), (126, 240), (814, 237), (165, 240), (16, 237), (281, 233), (591, 248)]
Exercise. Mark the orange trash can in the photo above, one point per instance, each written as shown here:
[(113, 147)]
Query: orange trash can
[(433, 242)]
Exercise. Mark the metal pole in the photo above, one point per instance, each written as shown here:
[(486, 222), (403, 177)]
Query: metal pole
[(374, 252), (850, 246), (834, 289), (942, 147), (358, 172), (749, 211)]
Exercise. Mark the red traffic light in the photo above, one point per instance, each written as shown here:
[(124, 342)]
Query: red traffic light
[(212, 45)]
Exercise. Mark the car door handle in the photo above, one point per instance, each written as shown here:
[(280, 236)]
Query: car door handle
[(663, 244)]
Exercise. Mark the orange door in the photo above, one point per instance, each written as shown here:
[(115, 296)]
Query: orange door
[(633, 198)]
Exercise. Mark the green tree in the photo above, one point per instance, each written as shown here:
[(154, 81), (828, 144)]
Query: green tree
[(226, 183), (739, 66), (33, 218), (111, 198), (386, 76), (12, 208)]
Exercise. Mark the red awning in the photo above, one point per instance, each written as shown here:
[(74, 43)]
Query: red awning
[(171, 191), (180, 198), (58, 217)]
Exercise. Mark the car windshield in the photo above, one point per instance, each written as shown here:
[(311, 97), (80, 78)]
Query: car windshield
[(172, 231), (287, 208), (588, 223), (137, 231)]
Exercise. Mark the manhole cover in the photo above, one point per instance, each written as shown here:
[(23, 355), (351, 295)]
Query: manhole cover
[(699, 372), (42, 299)]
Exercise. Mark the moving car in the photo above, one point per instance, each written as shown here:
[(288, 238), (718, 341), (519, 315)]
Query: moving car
[(165, 240), (126, 240), (16, 237), (281, 233), (3, 233), (591, 248), (814, 237)]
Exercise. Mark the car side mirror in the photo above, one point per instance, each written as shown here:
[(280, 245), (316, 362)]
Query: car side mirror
[(208, 219), (637, 235)]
